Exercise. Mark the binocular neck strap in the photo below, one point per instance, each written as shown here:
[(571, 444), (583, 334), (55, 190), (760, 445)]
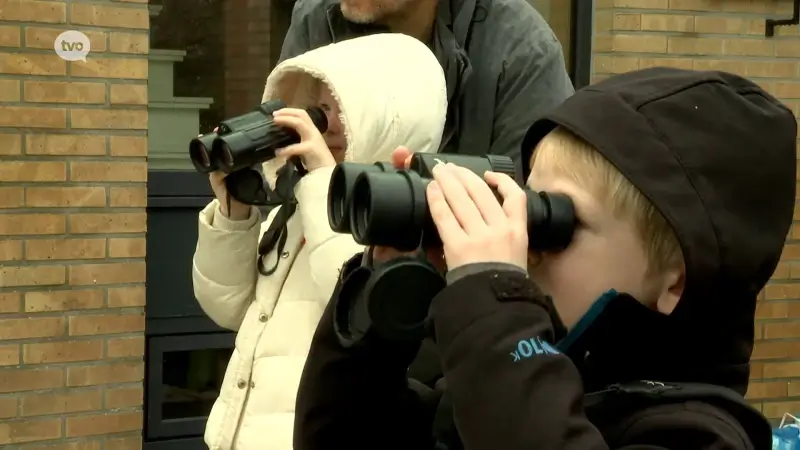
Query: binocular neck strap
[(277, 234), (275, 237)]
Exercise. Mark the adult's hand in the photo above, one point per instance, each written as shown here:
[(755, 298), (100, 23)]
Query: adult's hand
[(312, 148), (473, 225)]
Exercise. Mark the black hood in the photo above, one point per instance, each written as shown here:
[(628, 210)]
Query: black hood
[(715, 154)]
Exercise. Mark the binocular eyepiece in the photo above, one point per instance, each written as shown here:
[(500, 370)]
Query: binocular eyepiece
[(381, 205), (246, 140)]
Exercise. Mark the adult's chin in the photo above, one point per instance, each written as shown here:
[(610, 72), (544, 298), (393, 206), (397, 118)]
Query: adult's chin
[(352, 12)]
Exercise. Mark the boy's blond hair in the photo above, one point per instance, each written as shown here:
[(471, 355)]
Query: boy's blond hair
[(567, 155)]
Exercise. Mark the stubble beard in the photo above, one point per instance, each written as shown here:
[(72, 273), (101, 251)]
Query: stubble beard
[(378, 15)]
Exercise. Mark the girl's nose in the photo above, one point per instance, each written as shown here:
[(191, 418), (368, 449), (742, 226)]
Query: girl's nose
[(334, 124)]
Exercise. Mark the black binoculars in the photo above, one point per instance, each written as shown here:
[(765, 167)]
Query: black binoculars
[(243, 142), (381, 205)]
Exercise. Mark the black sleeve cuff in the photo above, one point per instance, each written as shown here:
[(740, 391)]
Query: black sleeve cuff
[(484, 293)]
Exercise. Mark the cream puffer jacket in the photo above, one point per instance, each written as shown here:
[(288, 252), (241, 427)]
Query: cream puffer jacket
[(391, 92)]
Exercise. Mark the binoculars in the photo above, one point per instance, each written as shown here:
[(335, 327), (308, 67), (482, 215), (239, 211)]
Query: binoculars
[(380, 205), (242, 143)]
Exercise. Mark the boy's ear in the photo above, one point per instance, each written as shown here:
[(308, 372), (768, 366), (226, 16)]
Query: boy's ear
[(671, 293)]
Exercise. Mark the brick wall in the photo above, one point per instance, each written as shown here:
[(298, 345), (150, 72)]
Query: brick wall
[(254, 31), (247, 53), (72, 223), (726, 35)]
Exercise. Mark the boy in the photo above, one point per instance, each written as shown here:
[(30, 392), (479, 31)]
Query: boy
[(684, 185)]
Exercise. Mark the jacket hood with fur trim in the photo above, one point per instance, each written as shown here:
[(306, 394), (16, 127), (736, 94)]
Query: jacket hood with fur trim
[(390, 88)]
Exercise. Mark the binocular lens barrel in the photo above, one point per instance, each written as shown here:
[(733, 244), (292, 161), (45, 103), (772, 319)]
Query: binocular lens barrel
[(246, 140), (200, 153), (383, 206), (340, 191), (390, 209)]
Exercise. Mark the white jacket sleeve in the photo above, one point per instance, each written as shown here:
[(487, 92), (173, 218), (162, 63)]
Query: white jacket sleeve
[(224, 269), (328, 250)]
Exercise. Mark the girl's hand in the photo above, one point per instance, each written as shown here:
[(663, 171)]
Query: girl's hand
[(311, 148)]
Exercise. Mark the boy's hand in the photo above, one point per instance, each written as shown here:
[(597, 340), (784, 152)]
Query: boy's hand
[(311, 148), (473, 226)]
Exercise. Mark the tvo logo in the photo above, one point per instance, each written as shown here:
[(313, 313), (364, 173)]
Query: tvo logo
[(72, 46)]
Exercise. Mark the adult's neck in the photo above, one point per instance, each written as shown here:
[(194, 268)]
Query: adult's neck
[(416, 21)]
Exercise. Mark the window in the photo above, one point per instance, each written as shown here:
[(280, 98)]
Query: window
[(209, 60), (558, 13)]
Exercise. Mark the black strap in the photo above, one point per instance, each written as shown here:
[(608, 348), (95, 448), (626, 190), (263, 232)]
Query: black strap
[(660, 391), (277, 234)]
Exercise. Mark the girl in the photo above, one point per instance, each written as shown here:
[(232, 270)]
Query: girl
[(379, 92)]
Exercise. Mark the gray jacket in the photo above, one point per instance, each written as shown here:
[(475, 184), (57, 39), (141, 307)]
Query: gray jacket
[(511, 72)]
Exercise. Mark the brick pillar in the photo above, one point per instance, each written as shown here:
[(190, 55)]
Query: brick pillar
[(72, 225), (247, 53), (726, 35)]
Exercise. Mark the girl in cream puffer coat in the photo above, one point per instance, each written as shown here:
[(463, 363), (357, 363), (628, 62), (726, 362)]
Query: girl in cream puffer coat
[(389, 91)]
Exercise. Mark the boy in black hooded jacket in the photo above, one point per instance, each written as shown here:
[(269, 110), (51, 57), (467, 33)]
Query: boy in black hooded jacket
[(638, 335)]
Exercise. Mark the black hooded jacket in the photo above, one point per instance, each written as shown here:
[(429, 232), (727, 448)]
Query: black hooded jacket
[(716, 155)]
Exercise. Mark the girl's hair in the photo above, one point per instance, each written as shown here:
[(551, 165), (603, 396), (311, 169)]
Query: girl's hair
[(567, 155)]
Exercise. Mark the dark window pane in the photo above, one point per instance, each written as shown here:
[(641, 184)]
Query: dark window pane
[(209, 60), (192, 380)]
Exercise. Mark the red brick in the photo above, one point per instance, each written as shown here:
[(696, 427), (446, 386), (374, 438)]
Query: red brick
[(59, 352), (10, 302), (65, 197), (126, 297), (19, 380), (124, 397), (105, 324), (25, 224), (27, 328), (32, 171), (103, 424), (128, 146), (73, 299), (126, 372), (34, 11), (111, 273), (65, 144), (10, 144), (105, 171), (9, 355), (12, 197), (127, 248), (32, 276), (125, 347), (128, 442), (27, 431), (767, 389), (55, 249), (61, 402), (10, 250), (8, 407), (105, 223), (128, 197)]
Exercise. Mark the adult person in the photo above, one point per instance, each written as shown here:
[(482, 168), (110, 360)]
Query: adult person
[(273, 292), (503, 64)]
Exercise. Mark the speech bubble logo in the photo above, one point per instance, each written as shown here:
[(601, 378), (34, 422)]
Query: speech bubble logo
[(72, 46)]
